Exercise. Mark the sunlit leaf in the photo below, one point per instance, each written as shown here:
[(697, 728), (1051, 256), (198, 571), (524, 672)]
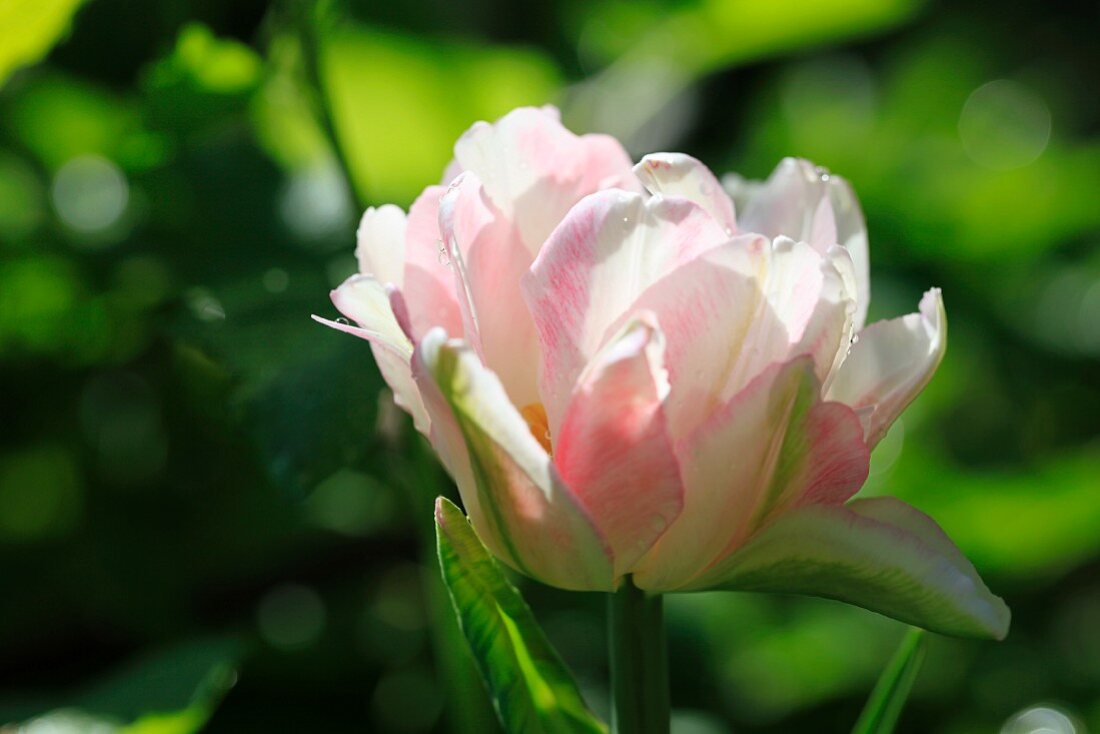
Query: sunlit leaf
[(29, 29), (400, 102), (883, 708), (529, 684)]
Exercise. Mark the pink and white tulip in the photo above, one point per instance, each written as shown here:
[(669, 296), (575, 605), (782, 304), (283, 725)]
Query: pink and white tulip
[(625, 373)]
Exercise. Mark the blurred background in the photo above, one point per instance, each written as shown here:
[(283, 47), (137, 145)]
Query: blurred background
[(212, 516)]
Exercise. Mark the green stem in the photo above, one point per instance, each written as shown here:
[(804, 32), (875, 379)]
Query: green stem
[(310, 14), (639, 662)]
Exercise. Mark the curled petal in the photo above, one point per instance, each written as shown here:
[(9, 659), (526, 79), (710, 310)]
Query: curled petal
[(774, 446), (611, 247), (890, 363), (614, 449), (676, 174), (879, 554), (367, 302), (534, 169), (519, 505)]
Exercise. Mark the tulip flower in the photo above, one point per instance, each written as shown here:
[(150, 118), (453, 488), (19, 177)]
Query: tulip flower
[(637, 375)]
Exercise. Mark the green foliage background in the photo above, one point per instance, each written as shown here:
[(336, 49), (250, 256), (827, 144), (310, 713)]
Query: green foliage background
[(205, 494)]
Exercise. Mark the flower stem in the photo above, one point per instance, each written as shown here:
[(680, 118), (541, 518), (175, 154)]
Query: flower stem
[(639, 662)]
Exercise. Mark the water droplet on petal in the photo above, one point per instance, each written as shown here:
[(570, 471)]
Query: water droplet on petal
[(444, 257), (343, 321)]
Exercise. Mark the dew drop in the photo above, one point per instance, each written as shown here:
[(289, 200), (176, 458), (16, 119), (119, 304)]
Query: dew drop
[(444, 257), (343, 321)]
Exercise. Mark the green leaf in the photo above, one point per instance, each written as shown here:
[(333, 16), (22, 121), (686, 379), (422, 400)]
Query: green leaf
[(29, 29), (173, 691), (530, 686), (880, 715)]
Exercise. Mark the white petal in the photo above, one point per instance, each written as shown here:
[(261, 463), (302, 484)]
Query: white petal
[(890, 363), (380, 244), (677, 174)]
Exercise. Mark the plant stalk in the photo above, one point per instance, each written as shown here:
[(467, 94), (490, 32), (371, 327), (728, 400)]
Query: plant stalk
[(639, 662)]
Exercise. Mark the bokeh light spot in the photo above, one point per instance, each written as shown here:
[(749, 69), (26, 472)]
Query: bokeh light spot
[(351, 503), (1004, 125), (276, 280), (90, 194), (121, 419), (1040, 720), (40, 494), (204, 305), (291, 617), (315, 203), (407, 700)]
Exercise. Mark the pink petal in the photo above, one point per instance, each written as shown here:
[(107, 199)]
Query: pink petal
[(488, 262), (677, 174), (611, 247), (774, 446), (511, 490), (428, 282), (534, 169), (614, 448)]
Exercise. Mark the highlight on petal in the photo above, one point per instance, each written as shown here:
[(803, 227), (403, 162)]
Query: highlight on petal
[(608, 250), (790, 203), (488, 261), (880, 554), (428, 281), (890, 363), (535, 170), (367, 302), (380, 244), (614, 448), (774, 446), (677, 174), (519, 505)]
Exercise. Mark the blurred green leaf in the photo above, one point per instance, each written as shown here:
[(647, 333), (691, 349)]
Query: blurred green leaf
[(529, 684), (170, 692), (400, 102), (29, 29), (205, 82), (883, 708)]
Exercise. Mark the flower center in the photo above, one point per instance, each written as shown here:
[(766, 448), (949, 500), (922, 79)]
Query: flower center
[(535, 415)]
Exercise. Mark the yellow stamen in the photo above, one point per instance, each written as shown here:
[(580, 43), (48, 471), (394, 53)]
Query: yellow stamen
[(535, 415)]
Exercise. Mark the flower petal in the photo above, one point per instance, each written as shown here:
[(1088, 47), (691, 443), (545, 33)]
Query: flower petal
[(772, 447), (488, 261), (428, 282), (707, 307), (380, 244), (890, 363), (614, 448), (535, 170), (608, 250), (790, 203), (512, 492), (367, 302), (880, 554), (677, 174)]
